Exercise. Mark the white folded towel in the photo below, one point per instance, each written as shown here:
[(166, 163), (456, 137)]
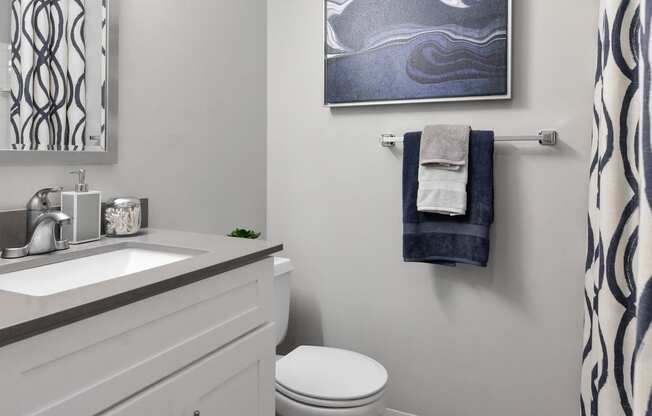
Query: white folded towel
[(443, 191)]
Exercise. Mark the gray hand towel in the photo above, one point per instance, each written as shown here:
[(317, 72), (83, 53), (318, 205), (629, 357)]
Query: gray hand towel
[(445, 146)]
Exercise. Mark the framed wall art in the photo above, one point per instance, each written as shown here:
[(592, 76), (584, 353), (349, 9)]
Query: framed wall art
[(407, 51)]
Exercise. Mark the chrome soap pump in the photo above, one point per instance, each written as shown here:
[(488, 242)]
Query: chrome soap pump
[(84, 208)]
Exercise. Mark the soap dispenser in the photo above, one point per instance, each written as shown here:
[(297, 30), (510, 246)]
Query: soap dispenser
[(84, 208)]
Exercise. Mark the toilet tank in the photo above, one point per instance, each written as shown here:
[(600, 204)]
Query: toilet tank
[(282, 269)]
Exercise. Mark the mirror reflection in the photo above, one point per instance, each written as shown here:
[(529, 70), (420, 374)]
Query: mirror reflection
[(53, 86)]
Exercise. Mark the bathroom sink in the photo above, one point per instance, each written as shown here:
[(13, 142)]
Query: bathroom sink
[(84, 269)]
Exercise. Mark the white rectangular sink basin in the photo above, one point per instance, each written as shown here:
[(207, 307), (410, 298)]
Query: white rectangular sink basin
[(62, 276)]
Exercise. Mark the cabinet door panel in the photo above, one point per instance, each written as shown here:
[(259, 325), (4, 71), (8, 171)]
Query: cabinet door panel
[(153, 402), (236, 396), (236, 380)]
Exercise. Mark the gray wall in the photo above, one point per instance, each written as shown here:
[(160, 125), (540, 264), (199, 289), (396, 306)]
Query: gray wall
[(5, 21), (192, 117), (94, 31), (505, 341)]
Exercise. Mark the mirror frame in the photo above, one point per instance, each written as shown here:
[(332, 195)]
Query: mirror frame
[(110, 154)]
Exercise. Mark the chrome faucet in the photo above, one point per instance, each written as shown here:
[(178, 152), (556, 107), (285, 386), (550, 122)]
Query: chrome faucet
[(44, 239), (38, 205), (42, 228)]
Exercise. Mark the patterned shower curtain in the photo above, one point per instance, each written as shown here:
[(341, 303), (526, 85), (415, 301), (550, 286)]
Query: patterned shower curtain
[(617, 355), (47, 76)]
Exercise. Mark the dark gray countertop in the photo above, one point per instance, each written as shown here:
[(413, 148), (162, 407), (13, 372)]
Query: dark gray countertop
[(23, 316)]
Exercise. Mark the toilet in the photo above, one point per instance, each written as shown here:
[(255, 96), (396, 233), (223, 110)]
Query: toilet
[(321, 381)]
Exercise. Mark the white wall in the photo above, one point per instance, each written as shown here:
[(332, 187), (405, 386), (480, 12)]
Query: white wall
[(192, 117), (505, 341)]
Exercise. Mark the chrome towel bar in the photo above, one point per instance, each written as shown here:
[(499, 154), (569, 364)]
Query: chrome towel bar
[(544, 138)]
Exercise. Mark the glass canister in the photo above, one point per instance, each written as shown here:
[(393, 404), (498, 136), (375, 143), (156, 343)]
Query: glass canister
[(122, 217)]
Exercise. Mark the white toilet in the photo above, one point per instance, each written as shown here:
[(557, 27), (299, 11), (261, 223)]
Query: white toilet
[(319, 381)]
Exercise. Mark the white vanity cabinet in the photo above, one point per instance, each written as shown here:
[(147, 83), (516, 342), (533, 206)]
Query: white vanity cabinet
[(204, 349)]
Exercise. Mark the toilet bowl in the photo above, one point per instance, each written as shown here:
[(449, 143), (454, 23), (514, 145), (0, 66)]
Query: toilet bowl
[(321, 381)]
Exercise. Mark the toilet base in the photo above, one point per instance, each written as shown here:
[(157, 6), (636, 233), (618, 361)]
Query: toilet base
[(289, 407)]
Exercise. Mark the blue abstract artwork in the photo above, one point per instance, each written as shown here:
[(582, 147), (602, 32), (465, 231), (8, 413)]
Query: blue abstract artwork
[(393, 51)]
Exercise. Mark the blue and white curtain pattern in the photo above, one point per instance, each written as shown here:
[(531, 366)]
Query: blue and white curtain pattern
[(617, 354), (104, 71), (47, 76)]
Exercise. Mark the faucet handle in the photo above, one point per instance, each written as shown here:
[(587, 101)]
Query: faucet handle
[(40, 201)]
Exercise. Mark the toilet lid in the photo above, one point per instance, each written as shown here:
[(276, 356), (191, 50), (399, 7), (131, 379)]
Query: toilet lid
[(330, 374)]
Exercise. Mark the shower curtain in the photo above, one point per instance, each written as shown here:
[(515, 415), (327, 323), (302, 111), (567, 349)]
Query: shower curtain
[(617, 354), (47, 75)]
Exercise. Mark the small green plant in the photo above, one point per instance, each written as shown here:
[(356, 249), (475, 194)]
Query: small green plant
[(242, 233)]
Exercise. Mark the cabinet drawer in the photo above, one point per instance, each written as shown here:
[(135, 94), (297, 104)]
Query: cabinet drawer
[(236, 380), (85, 367)]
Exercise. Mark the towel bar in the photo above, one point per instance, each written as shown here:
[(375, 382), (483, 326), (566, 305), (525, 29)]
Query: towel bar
[(5, 91), (545, 138)]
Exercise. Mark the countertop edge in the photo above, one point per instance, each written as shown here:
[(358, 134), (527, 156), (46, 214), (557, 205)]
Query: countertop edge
[(28, 329)]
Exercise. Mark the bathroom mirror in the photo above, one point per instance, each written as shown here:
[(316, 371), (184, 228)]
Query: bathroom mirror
[(58, 86)]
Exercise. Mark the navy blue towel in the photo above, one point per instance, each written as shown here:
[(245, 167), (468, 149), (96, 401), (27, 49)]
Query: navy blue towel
[(442, 239)]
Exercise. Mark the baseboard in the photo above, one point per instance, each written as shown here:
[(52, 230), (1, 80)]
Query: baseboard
[(392, 412)]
